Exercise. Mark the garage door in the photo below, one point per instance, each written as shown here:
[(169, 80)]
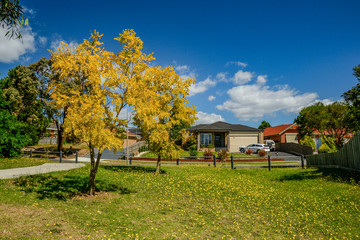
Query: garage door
[(237, 140), (292, 138)]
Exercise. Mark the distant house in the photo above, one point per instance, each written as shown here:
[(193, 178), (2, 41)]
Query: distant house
[(288, 133), (51, 135), (226, 136), (133, 138), (285, 133)]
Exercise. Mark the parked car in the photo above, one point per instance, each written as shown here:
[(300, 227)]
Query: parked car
[(271, 144), (255, 147)]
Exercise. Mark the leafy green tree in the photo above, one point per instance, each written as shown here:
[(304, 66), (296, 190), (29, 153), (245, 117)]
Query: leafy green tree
[(308, 141), (21, 94), (44, 71), (352, 97), (13, 136), (264, 124), (11, 17), (332, 120)]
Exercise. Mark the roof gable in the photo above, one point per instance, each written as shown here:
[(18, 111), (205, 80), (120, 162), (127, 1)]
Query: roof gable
[(222, 126), (278, 130)]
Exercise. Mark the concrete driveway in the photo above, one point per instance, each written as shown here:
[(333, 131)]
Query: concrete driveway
[(45, 168)]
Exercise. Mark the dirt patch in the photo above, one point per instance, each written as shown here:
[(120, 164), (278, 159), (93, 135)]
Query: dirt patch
[(99, 196)]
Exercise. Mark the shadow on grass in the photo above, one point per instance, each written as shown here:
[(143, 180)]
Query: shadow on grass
[(330, 174), (132, 169), (64, 188)]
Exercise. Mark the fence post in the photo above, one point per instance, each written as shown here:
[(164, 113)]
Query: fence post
[(177, 161), (76, 157), (232, 162), (302, 161), (214, 161), (130, 160), (30, 153), (269, 162), (60, 156)]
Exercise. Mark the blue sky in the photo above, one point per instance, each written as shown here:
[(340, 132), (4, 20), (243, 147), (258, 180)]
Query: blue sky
[(253, 60)]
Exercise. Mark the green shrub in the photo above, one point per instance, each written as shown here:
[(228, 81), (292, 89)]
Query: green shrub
[(143, 149), (327, 145), (210, 146), (324, 148), (192, 140), (193, 151), (13, 135), (308, 141)]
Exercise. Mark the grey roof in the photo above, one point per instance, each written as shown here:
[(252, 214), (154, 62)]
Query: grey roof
[(221, 126)]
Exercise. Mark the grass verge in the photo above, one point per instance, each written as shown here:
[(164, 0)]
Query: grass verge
[(6, 163)]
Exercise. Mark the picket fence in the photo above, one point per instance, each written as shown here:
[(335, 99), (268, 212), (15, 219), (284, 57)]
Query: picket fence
[(347, 158)]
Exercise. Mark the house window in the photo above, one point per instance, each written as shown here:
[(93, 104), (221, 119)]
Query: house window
[(206, 139)]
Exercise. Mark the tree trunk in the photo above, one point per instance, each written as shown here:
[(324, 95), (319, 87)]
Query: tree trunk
[(158, 165), (60, 130), (93, 169), (60, 137)]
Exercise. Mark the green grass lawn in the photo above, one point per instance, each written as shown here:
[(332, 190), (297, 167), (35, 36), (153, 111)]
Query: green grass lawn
[(6, 163), (185, 202)]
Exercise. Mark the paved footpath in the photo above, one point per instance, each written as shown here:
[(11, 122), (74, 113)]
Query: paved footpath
[(45, 168)]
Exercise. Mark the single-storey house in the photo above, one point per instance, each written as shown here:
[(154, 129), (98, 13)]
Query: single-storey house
[(133, 138), (285, 133), (226, 136), (288, 133)]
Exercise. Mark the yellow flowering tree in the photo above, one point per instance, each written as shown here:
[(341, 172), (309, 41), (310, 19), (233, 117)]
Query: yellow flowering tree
[(161, 107), (94, 86)]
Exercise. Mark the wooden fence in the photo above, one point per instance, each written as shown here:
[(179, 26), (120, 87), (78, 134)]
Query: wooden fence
[(293, 148), (347, 158)]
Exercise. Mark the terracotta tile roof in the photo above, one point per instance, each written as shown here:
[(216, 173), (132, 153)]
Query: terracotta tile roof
[(277, 130)]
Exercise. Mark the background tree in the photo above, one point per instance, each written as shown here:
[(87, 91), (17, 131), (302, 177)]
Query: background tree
[(352, 97), (102, 84), (23, 120), (264, 124), (331, 120), (11, 17), (44, 71), (166, 92)]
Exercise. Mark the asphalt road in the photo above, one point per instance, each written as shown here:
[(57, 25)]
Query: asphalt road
[(108, 155), (285, 156)]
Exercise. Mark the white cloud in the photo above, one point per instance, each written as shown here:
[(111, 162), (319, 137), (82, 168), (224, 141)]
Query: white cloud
[(184, 71), (28, 10), (211, 98), (221, 76), (252, 102), (181, 68), (42, 40), (237, 63), (261, 79), (202, 86), (12, 49), (207, 118), (325, 101), (242, 77), (57, 43)]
